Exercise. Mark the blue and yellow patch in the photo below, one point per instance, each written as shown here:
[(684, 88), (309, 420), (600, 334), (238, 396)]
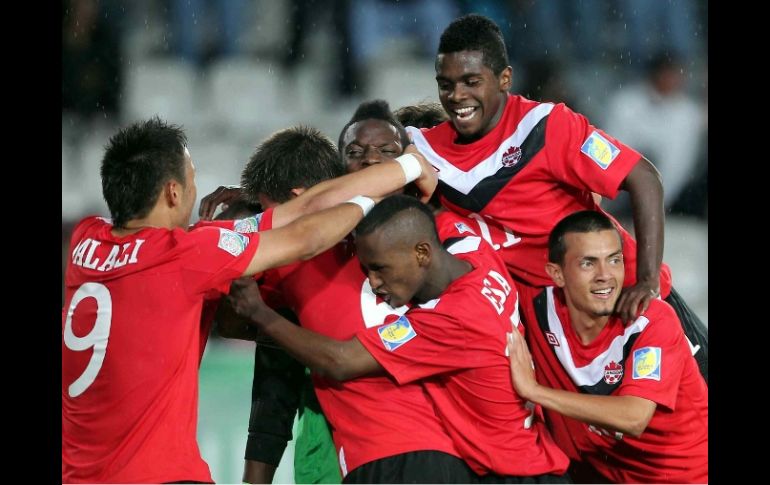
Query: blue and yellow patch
[(397, 333), (600, 150), (248, 225), (646, 363), (232, 242)]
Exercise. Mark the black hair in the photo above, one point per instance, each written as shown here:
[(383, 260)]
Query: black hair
[(300, 156), (393, 205), (377, 109), (474, 32), (421, 115), (137, 161), (580, 222)]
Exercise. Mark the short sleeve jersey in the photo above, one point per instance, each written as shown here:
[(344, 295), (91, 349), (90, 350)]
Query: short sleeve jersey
[(455, 345), (649, 358), (539, 164), (130, 349), (371, 417)]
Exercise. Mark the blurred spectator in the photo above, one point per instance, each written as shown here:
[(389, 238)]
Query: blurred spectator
[(544, 81), (565, 30), (654, 26), (91, 59), (658, 118), (375, 23), (303, 17), (204, 30)]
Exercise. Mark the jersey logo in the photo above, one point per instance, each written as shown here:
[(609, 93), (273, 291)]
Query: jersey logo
[(511, 157), (613, 372), (600, 150), (248, 225), (552, 339), (397, 333), (232, 242), (647, 363), (463, 228)]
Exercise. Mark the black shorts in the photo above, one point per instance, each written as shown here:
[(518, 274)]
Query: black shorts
[(545, 478), (413, 467), (695, 330)]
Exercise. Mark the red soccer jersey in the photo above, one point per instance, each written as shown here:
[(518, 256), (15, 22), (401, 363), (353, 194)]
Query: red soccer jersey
[(539, 164), (649, 358), (371, 417), (456, 345), (130, 349)]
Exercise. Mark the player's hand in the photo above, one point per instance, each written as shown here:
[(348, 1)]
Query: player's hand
[(224, 194), (245, 299), (634, 300), (522, 368), (428, 179)]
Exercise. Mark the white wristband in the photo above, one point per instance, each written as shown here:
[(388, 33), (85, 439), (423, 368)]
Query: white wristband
[(411, 167), (365, 203)]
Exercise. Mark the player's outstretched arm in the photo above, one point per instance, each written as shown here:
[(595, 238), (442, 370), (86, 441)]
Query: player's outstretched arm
[(339, 360), (374, 181)]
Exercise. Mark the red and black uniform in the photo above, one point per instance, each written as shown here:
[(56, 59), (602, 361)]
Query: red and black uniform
[(455, 346), (131, 348), (649, 358)]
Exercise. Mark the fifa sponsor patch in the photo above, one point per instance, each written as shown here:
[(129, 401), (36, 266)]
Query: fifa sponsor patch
[(248, 225), (463, 228), (600, 150), (550, 337), (232, 242), (647, 363), (511, 157), (397, 333), (613, 372)]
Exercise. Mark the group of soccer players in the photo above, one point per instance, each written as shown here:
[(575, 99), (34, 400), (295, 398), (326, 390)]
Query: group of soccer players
[(418, 326)]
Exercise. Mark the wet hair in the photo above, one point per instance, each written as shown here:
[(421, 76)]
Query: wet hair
[(377, 109), (474, 32), (138, 160), (421, 115), (580, 222), (300, 156)]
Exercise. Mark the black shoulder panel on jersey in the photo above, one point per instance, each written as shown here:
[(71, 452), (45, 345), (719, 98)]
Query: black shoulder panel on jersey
[(486, 189)]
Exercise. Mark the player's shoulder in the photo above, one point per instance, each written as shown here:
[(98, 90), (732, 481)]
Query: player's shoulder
[(662, 318)]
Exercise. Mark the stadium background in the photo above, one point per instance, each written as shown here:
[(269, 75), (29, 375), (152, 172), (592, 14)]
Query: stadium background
[(124, 61)]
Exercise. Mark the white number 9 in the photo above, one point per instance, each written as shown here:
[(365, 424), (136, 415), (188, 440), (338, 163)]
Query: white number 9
[(97, 338)]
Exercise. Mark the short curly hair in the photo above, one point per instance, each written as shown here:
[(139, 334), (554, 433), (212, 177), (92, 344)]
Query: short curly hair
[(474, 32)]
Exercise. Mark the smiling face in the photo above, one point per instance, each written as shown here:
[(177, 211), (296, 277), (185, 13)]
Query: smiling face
[(368, 142), (592, 272), (471, 93), (397, 271)]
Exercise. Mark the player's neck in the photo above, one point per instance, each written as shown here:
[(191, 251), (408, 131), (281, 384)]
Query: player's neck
[(156, 219), (587, 327)]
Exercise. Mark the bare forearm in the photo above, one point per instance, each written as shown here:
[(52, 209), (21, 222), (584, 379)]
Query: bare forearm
[(304, 238), (324, 355), (646, 192), (374, 181), (627, 414)]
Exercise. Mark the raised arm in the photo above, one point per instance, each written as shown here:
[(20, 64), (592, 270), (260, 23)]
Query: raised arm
[(627, 414), (339, 360), (306, 236), (374, 181), (646, 190)]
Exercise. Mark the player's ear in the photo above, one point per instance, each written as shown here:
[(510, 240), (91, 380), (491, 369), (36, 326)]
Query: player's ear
[(554, 271), (423, 252), (504, 79), (172, 192)]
